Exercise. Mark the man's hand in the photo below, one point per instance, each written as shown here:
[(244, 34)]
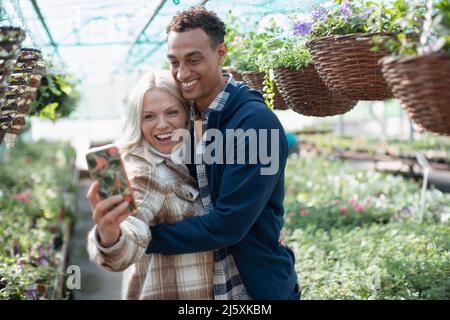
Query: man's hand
[(107, 219)]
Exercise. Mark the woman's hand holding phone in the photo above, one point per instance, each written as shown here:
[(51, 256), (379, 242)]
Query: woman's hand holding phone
[(106, 194), (107, 214)]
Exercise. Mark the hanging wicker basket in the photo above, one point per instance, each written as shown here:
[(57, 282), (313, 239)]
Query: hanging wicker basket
[(347, 65), (422, 84), (236, 75), (255, 79), (24, 82), (10, 41), (308, 95)]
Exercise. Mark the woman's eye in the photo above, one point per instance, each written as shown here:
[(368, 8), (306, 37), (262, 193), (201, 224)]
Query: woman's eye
[(148, 117), (173, 113)]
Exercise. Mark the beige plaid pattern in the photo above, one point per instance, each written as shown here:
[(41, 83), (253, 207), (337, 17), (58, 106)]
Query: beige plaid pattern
[(165, 193)]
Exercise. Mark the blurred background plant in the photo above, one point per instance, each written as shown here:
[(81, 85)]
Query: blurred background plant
[(58, 95)]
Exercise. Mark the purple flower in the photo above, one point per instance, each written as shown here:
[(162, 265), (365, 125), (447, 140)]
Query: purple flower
[(346, 9), (30, 292), (369, 11), (318, 13), (302, 28)]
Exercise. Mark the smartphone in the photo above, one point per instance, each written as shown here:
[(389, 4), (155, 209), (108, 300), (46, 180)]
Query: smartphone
[(106, 166)]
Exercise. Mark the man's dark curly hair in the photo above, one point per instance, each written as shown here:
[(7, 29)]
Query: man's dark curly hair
[(199, 17)]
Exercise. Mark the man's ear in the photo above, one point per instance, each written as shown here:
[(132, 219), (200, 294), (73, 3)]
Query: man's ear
[(222, 52)]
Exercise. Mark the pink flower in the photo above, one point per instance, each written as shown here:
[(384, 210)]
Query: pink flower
[(337, 201), (368, 201), (343, 210), (291, 214), (353, 202), (359, 208), (304, 213), (24, 196)]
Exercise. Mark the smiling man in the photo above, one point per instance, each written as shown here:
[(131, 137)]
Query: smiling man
[(243, 207)]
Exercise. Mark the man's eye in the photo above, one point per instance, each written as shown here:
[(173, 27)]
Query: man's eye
[(148, 116), (195, 61), (173, 112), (173, 63)]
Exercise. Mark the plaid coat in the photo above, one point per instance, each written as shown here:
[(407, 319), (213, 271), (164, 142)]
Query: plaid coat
[(165, 193)]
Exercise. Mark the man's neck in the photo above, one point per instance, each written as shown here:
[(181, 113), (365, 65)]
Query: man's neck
[(202, 105)]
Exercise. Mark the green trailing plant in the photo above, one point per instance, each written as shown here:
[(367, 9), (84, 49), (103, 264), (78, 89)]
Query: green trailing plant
[(412, 24), (269, 89), (57, 97)]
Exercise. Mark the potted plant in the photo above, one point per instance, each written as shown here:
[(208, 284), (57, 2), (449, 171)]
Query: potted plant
[(243, 49), (342, 45), (418, 72), (57, 97), (299, 82)]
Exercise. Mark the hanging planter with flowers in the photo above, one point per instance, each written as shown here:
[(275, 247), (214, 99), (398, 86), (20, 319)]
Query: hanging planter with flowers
[(343, 47), (419, 73), (299, 82), (243, 48)]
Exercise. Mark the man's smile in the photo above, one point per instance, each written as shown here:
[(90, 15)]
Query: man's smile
[(189, 85)]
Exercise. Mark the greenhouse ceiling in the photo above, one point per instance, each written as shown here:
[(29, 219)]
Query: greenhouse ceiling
[(99, 38)]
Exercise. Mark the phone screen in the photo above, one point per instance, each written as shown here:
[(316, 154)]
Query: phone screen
[(105, 165)]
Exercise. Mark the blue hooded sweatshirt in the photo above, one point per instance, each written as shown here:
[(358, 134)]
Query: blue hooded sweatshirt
[(248, 206)]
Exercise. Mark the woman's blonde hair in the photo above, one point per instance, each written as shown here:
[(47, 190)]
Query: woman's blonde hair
[(131, 133)]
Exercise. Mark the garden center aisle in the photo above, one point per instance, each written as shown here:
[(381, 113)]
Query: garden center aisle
[(96, 283)]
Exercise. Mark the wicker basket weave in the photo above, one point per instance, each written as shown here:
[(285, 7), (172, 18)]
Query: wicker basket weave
[(347, 65), (10, 41), (422, 84), (255, 80), (236, 75), (306, 93)]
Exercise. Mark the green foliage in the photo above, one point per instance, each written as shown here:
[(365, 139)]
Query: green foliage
[(57, 97), (269, 90), (245, 43), (346, 197), (36, 202), (357, 234), (393, 261), (292, 54), (412, 25)]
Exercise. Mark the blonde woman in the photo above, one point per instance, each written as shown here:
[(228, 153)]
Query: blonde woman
[(165, 193)]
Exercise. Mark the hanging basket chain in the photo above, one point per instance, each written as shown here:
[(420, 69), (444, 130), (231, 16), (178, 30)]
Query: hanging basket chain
[(24, 25)]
